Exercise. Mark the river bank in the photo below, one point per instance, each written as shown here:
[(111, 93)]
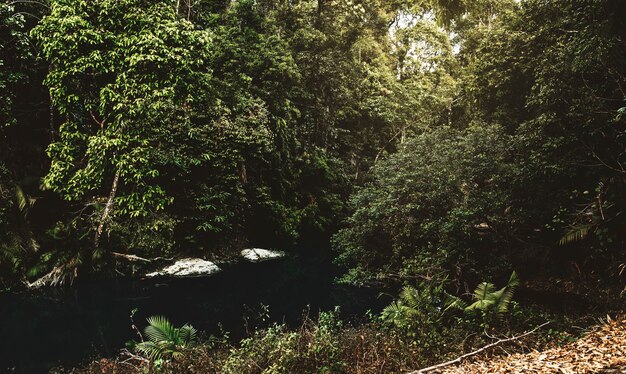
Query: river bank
[(71, 325)]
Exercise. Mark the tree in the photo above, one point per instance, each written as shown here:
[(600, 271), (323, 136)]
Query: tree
[(549, 97), (561, 98), (440, 203)]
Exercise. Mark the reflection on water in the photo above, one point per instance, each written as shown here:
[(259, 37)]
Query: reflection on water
[(68, 326)]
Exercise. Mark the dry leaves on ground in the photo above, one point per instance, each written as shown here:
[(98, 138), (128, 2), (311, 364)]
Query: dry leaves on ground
[(601, 351)]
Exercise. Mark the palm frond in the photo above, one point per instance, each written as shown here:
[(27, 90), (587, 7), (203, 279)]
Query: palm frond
[(576, 234), (487, 298), (165, 340), (513, 280), (149, 349), (479, 305), (393, 313), (24, 202), (187, 335), (506, 294), (161, 329)]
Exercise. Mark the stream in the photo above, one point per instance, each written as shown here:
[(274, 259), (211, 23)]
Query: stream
[(69, 326)]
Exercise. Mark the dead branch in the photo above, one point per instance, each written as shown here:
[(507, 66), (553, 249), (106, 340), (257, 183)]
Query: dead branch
[(461, 358), (56, 277), (137, 258), (133, 357)]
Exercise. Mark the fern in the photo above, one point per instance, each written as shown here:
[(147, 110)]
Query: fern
[(487, 299), (394, 313), (506, 294), (483, 297), (576, 234), (24, 202), (454, 302)]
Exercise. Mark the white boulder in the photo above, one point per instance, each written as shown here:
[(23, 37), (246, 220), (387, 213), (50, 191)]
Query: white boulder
[(188, 267), (258, 254)]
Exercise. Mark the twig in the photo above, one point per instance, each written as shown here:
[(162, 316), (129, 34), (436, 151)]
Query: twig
[(131, 357), (133, 326), (460, 358)]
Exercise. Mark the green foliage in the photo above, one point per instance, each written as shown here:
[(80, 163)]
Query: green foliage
[(439, 201), (203, 126), (551, 120), (164, 340), (416, 308), (423, 308), (18, 246), (122, 92), (561, 99), (315, 348), (14, 55), (491, 301)]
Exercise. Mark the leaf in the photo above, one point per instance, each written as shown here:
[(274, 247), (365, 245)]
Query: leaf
[(187, 335), (576, 234), (454, 302), (160, 329)]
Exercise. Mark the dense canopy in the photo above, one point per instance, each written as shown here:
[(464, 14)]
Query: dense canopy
[(418, 137)]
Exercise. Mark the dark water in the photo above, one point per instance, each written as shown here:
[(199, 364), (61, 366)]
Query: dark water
[(69, 326)]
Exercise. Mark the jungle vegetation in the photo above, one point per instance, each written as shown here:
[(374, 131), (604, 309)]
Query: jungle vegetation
[(419, 137), (456, 140)]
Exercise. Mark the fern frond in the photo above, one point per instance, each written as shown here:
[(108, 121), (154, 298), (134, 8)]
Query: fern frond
[(576, 234), (410, 297), (393, 313), (453, 302), (483, 290), (506, 294)]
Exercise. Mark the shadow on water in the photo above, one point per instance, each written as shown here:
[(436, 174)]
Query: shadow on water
[(68, 326)]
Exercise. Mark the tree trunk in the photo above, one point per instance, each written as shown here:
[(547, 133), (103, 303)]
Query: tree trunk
[(107, 209), (52, 127)]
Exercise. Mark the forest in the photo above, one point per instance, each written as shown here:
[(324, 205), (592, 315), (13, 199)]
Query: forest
[(432, 150)]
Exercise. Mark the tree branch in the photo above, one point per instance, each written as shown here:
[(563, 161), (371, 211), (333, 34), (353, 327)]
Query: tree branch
[(461, 358), (107, 209)]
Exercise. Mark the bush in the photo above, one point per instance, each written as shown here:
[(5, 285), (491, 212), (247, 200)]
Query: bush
[(314, 348), (439, 203)]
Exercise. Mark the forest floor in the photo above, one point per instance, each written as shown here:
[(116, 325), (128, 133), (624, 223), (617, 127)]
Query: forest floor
[(603, 350)]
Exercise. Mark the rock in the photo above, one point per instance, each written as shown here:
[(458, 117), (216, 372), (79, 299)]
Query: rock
[(188, 267), (258, 254)]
